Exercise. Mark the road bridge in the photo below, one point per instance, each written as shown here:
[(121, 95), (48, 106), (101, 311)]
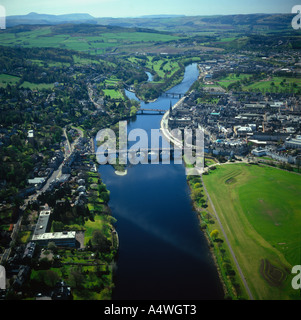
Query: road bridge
[(150, 111), (173, 94)]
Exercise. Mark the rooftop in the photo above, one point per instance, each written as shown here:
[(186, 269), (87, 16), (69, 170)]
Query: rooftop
[(55, 235), (36, 180), (42, 222)]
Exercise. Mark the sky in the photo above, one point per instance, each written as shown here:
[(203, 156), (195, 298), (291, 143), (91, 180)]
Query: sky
[(134, 8)]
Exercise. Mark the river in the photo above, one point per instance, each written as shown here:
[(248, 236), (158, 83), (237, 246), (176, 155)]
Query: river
[(163, 254)]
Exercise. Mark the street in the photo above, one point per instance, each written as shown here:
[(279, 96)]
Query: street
[(56, 174)]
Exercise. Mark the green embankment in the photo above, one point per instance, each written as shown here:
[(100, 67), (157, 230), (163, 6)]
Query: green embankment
[(259, 208)]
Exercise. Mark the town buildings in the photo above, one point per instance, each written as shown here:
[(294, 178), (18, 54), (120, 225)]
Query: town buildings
[(239, 122)]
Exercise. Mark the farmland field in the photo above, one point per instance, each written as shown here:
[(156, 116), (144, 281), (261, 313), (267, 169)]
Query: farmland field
[(259, 208), (97, 41)]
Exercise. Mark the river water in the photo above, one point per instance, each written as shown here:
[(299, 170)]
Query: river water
[(163, 254)]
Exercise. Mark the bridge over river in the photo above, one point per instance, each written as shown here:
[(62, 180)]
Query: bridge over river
[(173, 94), (155, 155), (150, 111)]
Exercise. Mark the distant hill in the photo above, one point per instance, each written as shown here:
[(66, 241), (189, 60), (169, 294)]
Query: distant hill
[(196, 24), (46, 19), (158, 16), (169, 23)]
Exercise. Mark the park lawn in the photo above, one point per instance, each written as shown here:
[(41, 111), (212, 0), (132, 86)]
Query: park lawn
[(267, 84), (113, 94), (274, 84), (259, 208), (90, 226), (231, 78), (101, 222)]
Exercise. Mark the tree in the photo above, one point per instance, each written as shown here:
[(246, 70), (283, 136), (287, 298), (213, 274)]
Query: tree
[(105, 196), (51, 278), (214, 234), (100, 242), (52, 246), (76, 279), (57, 226)]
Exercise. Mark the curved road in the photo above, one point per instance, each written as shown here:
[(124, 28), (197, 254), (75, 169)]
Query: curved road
[(169, 137)]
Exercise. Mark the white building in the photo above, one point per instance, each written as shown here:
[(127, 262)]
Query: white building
[(259, 152), (294, 143), (61, 239)]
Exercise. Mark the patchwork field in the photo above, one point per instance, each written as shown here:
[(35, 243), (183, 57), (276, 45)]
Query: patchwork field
[(97, 40), (259, 208)]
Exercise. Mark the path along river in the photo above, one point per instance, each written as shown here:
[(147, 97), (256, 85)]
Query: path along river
[(163, 254)]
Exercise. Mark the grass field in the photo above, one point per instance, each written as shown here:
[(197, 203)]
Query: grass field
[(273, 84), (44, 37), (231, 78), (6, 79), (290, 85), (259, 208), (163, 67), (114, 94)]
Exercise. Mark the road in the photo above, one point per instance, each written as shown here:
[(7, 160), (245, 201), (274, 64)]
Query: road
[(56, 174), (165, 131), (228, 243), (68, 147), (68, 151), (90, 93)]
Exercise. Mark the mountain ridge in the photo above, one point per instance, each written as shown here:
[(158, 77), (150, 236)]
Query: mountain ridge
[(174, 23)]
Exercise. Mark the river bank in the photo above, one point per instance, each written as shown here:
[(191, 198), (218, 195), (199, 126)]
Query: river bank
[(167, 134), (164, 126), (158, 230), (205, 227)]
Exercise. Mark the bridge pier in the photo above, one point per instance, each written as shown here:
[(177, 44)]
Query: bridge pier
[(150, 111), (174, 94), (146, 156)]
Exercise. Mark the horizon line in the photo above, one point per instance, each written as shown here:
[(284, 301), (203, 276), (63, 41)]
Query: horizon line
[(147, 15)]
